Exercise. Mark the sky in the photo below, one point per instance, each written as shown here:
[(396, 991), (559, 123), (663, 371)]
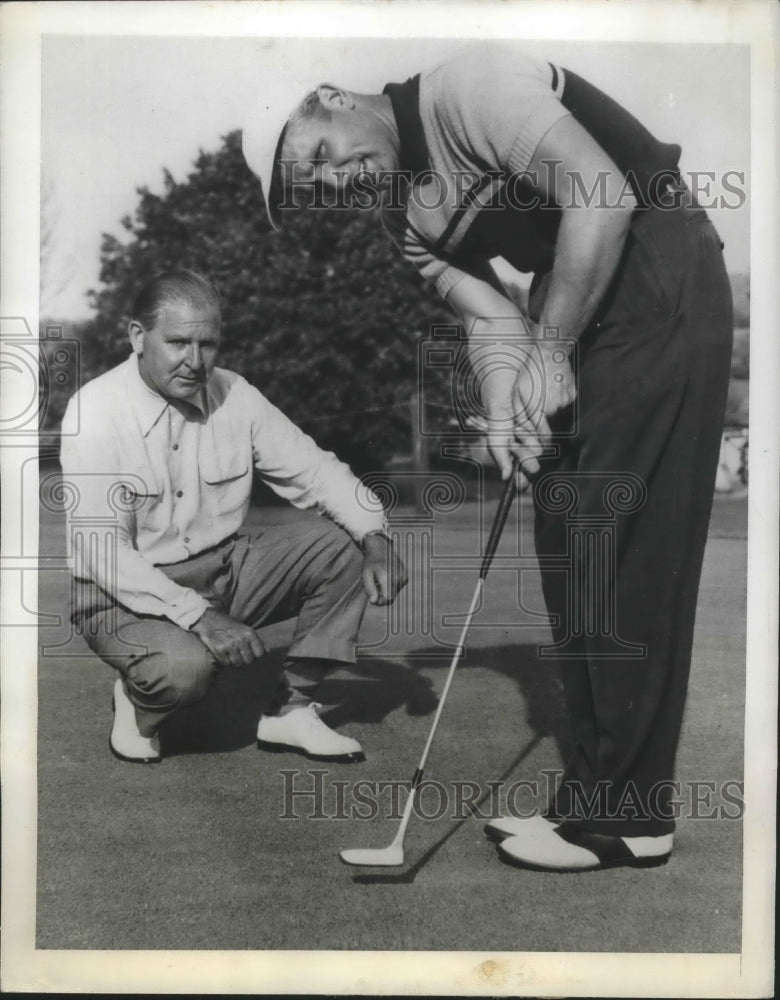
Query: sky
[(118, 110)]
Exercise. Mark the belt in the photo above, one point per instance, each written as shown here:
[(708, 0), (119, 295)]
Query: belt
[(203, 552)]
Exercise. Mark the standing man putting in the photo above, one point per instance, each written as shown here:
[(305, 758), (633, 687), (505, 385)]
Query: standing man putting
[(173, 587), (508, 156)]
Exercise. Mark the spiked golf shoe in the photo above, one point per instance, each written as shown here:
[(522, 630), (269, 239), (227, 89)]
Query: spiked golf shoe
[(301, 730), (126, 742)]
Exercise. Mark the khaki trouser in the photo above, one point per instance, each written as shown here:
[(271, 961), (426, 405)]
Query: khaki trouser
[(310, 571)]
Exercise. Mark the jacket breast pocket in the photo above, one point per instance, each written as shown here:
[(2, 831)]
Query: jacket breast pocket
[(227, 481)]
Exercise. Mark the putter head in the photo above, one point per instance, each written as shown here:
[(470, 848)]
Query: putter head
[(381, 857)]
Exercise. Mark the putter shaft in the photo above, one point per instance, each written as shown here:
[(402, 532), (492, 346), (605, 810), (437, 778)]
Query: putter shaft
[(393, 855)]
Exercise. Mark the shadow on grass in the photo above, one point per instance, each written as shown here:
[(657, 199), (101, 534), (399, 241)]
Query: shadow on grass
[(226, 719), (366, 693), (540, 689), (375, 688), (407, 877)]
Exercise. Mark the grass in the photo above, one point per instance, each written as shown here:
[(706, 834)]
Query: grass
[(193, 854)]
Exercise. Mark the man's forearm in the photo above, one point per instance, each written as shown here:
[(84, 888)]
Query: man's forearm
[(132, 581), (588, 250), (306, 476)]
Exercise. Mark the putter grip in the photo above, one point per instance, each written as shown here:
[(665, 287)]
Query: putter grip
[(499, 521)]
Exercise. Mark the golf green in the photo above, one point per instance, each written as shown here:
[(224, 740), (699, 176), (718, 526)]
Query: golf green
[(213, 848)]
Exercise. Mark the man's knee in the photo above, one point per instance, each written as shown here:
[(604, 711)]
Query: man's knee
[(177, 675), (342, 556)]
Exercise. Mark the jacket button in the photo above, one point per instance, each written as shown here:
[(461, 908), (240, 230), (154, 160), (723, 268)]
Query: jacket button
[(179, 493)]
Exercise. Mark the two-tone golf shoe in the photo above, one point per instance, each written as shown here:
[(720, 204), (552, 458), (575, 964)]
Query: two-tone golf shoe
[(516, 826), (565, 848)]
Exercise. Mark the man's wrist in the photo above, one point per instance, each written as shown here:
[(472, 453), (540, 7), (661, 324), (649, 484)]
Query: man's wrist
[(550, 337), (190, 611), (377, 532), (197, 624)]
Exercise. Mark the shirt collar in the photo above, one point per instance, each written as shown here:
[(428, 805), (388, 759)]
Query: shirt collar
[(149, 405), (405, 98)]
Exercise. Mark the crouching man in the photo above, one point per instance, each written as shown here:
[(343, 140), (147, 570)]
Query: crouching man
[(172, 588)]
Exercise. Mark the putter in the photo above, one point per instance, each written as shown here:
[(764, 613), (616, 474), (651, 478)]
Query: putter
[(393, 854)]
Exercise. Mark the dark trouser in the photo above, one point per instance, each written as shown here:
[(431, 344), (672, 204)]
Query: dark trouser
[(653, 375), (309, 571)]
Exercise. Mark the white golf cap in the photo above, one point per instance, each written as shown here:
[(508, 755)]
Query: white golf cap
[(263, 136)]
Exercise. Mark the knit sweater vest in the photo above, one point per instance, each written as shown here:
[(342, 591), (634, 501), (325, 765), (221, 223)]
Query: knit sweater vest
[(524, 234)]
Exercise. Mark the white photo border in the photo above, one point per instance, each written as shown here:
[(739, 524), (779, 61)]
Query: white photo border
[(754, 23)]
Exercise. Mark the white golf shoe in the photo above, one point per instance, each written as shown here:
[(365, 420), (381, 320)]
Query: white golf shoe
[(126, 742), (514, 826), (301, 730)]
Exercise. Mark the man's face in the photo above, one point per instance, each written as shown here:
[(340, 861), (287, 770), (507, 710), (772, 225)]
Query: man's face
[(177, 355), (352, 141)]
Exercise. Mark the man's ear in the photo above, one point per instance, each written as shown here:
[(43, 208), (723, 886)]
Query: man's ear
[(334, 98), (136, 334)]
